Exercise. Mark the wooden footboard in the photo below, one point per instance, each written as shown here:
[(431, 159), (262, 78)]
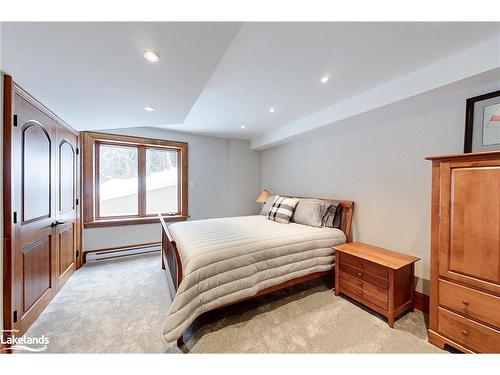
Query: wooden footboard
[(170, 257)]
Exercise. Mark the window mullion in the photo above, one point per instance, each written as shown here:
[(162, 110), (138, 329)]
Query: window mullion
[(142, 180)]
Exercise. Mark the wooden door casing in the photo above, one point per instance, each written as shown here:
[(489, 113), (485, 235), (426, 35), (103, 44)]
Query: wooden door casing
[(41, 188), (469, 236)]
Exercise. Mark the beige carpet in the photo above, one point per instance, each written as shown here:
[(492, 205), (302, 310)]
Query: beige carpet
[(119, 306)]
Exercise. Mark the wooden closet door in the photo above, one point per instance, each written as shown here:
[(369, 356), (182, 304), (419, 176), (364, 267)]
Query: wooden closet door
[(34, 193), (44, 191), (469, 234), (65, 225)]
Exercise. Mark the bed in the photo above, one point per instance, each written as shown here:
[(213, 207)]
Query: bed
[(217, 262)]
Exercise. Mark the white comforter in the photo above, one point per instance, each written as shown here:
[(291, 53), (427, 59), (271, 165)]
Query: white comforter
[(225, 260)]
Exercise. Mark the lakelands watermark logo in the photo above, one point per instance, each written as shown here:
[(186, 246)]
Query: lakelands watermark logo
[(23, 343)]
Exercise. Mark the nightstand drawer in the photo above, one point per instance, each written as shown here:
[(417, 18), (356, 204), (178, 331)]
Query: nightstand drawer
[(365, 285), (470, 302), (363, 275), (363, 294), (364, 266), (472, 335)]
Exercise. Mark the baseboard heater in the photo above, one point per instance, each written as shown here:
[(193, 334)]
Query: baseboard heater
[(119, 252)]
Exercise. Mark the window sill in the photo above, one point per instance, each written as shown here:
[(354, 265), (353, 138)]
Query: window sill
[(132, 221)]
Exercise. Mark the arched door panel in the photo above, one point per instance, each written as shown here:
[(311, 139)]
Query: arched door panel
[(36, 176)]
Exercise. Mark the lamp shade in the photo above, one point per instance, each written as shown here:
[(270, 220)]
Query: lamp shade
[(262, 198)]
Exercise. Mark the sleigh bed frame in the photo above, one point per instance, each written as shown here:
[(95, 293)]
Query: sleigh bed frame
[(171, 260)]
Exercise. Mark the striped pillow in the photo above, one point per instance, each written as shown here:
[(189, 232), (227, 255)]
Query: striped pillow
[(282, 209)]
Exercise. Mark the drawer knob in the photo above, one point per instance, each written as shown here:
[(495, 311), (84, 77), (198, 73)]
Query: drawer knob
[(360, 274), (360, 292), (465, 302), (465, 332)]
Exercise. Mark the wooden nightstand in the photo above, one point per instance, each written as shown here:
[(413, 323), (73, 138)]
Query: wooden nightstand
[(379, 279)]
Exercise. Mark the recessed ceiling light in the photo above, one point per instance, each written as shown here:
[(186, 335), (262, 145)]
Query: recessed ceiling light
[(243, 126), (325, 78), (148, 108), (151, 55), (272, 110)]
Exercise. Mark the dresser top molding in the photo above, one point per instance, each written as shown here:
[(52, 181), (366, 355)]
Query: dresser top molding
[(472, 155)]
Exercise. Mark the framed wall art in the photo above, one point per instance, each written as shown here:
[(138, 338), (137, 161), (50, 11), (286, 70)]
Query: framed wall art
[(482, 123)]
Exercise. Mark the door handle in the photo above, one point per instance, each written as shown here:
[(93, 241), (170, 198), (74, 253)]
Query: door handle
[(56, 223)]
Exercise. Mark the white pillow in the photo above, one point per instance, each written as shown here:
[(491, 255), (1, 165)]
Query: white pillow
[(267, 206), (310, 212)]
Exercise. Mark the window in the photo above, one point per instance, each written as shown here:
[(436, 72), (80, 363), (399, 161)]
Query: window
[(118, 184), (161, 181), (130, 180)]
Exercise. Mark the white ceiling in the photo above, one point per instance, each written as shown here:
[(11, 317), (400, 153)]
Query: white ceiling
[(94, 75), (215, 77)]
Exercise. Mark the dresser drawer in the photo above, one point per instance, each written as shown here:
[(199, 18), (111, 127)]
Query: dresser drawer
[(365, 276), (365, 266), (468, 333), (470, 302), (363, 294), (365, 285)]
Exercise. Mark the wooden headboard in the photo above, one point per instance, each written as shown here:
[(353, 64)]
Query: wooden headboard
[(346, 213)]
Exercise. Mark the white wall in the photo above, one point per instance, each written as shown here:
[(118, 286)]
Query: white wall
[(244, 174), (224, 180), (377, 160)]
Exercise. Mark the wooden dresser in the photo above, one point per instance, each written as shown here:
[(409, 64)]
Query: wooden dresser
[(465, 252), (378, 278)]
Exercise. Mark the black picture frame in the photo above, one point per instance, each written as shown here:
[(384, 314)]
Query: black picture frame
[(469, 117)]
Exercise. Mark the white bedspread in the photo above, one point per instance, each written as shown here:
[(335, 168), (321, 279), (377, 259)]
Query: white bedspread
[(225, 260)]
